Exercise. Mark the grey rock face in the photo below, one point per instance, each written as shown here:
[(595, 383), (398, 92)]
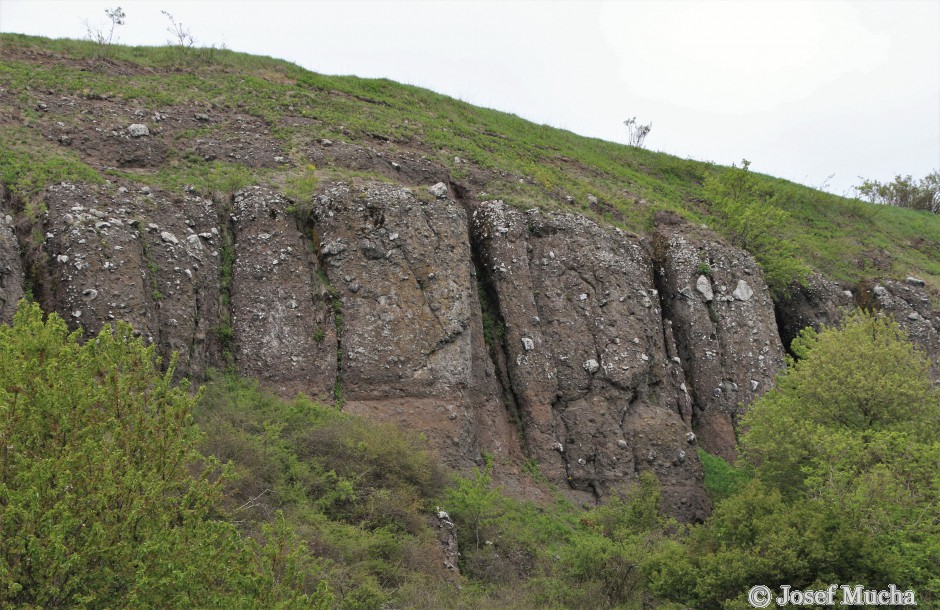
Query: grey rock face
[(104, 268), (597, 395), (724, 344), (910, 305), (407, 344), (11, 271), (281, 314), (820, 302)]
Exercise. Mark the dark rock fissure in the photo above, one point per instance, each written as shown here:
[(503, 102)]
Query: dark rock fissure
[(320, 277), (224, 333), (494, 331), (155, 297)]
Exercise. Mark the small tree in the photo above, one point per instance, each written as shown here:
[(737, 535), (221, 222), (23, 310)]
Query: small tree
[(904, 192), (636, 133), (103, 36), (182, 38), (744, 210)]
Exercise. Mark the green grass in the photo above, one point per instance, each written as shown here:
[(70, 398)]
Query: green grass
[(832, 233), (722, 480)]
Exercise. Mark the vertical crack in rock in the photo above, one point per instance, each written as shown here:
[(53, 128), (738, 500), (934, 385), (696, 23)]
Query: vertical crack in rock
[(225, 334), (586, 354), (325, 293), (180, 248), (493, 329)]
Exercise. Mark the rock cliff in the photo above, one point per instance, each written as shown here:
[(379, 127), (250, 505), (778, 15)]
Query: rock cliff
[(369, 266), (598, 353)]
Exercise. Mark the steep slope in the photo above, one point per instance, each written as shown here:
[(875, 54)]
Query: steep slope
[(506, 288)]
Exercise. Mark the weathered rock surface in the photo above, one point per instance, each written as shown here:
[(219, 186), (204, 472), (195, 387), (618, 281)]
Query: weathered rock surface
[(402, 271), (820, 302), (516, 334), (11, 270), (108, 261), (909, 304), (586, 353), (283, 324), (182, 254), (728, 345), (97, 271)]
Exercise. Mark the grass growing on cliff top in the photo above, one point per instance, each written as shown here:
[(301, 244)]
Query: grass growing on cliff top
[(844, 238)]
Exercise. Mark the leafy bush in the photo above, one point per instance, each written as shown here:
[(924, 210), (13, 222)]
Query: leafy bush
[(357, 493), (104, 500), (743, 210), (723, 480), (846, 487)]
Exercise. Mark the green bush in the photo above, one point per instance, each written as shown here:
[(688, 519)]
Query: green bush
[(358, 493), (743, 210), (723, 480), (104, 499)]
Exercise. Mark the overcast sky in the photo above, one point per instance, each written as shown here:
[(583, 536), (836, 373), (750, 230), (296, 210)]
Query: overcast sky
[(803, 90)]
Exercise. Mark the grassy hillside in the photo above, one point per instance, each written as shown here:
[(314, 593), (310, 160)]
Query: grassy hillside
[(499, 153)]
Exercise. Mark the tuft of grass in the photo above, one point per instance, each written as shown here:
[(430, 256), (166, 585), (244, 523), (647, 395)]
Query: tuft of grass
[(723, 480)]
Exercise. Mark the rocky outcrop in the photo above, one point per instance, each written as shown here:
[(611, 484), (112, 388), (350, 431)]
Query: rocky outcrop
[(719, 309), (909, 304), (11, 269), (282, 320), (820, 302), (403, 278), (108, 260), (585, 353), (491, 330)]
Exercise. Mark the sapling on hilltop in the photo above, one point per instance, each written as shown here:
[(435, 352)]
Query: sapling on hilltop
[(98, 33)]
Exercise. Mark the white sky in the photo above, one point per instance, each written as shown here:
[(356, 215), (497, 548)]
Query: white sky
[(803, 89)]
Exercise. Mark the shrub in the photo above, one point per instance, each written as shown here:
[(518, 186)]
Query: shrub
[(104, 499), (744, 211)]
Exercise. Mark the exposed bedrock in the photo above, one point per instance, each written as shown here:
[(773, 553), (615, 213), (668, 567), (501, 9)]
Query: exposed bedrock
[(721, 314), (821, 302), (586, 355), (153, 261), (11, 269), (282, 321), (402, 273), (909, 304)]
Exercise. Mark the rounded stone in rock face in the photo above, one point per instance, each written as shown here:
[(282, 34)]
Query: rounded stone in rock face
[(138, 130), (704, 286), (743, 292)]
